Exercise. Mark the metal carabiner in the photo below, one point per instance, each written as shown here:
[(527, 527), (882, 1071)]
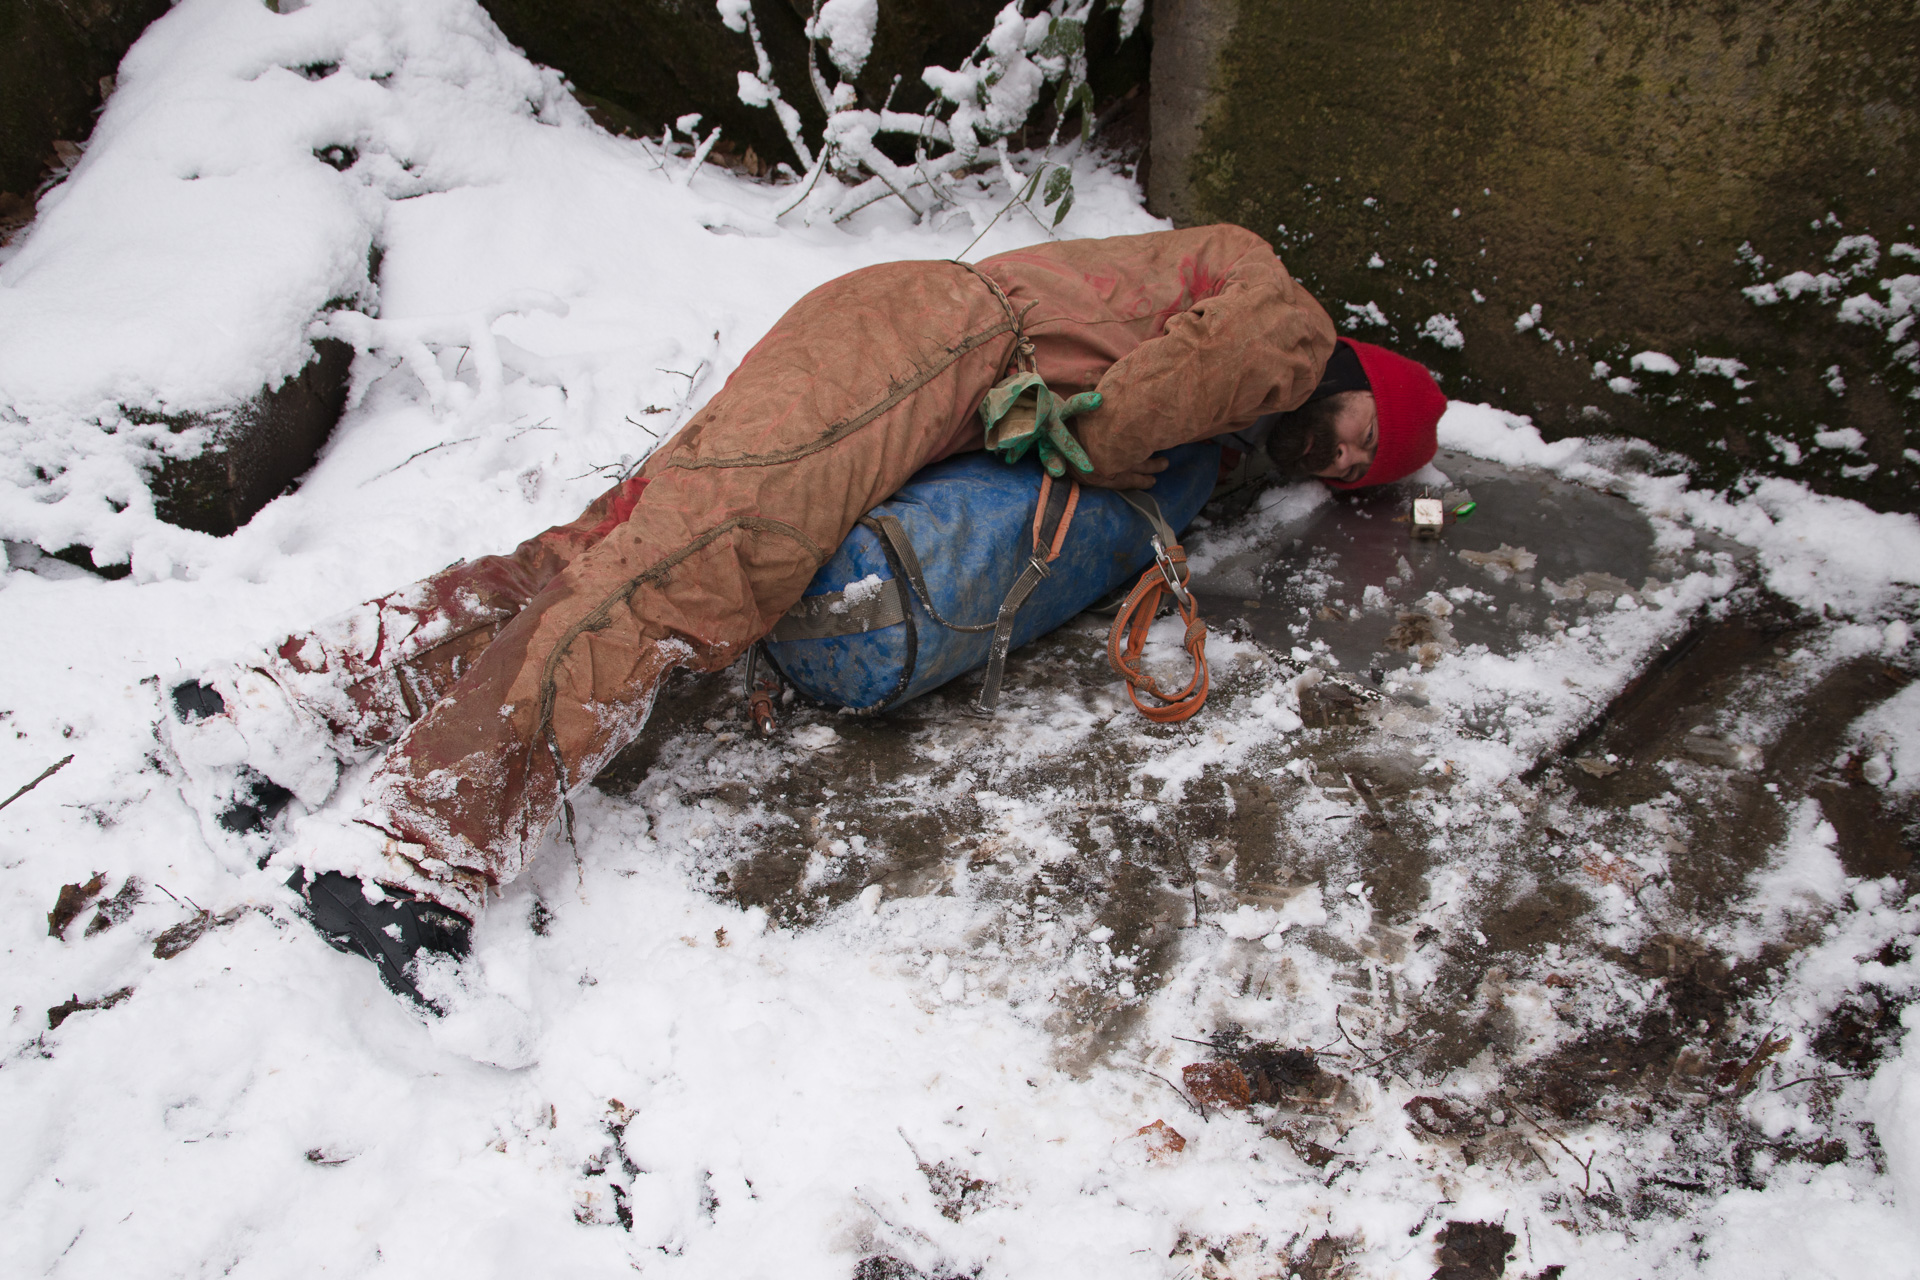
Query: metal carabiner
[(1170, 572)]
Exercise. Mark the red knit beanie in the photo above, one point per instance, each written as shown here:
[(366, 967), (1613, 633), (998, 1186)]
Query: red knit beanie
[(1409, 404)]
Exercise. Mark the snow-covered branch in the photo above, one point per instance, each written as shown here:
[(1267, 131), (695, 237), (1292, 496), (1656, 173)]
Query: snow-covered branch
[(977, 105)]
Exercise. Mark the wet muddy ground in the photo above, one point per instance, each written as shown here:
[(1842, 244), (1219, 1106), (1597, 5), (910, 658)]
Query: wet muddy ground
[(1563, 926)]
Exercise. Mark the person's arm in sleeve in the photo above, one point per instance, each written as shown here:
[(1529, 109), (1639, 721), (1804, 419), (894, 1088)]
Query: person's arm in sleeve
[(1255, 343)]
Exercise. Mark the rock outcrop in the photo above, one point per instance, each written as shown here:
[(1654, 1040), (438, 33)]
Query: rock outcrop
[(56, 67)]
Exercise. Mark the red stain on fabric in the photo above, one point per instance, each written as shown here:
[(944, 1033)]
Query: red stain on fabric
[(623, 504), (1197, 284)]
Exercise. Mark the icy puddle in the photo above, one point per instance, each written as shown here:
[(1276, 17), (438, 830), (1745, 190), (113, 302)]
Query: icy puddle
[(1349, 580)]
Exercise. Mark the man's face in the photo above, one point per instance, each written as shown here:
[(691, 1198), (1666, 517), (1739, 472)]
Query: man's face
[(1356, 425)]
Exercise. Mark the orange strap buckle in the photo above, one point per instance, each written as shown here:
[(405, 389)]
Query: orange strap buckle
[(1129, 637)]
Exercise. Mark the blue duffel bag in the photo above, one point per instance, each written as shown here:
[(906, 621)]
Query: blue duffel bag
[(941, 577)]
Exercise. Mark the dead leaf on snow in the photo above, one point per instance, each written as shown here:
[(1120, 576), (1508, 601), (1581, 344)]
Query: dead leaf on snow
[(958, 1192), (117, 908), (74, 1004), (73, 899), (191, 930), (1743, 1079), (1164, 1142), (1217, 1084)]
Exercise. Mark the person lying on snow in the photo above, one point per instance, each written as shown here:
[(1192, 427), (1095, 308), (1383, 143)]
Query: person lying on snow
[(499, 685)]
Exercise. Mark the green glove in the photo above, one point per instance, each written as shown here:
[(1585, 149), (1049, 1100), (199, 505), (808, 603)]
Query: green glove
[(1057, 444), (1021, 413), (1010, 414)]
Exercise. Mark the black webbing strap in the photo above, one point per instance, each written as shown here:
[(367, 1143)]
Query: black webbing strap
[(1058, 499), (894, 534), (812, 619)]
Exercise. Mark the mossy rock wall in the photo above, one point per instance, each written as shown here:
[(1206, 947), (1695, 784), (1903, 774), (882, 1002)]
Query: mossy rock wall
[(53, 56), (1628, 167), (255, 451)]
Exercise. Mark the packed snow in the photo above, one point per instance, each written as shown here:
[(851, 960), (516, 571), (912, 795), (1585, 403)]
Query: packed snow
[(634, 1073)]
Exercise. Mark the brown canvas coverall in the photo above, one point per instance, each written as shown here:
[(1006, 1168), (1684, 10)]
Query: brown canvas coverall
[(510, 680)]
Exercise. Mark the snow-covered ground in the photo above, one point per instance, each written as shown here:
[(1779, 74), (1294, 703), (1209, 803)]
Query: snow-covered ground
[(636, 1074)]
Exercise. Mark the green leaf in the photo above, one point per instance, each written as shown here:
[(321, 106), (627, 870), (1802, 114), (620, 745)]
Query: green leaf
[(1065, 37), (1033, 184), (1059, 183), (1061, 212)]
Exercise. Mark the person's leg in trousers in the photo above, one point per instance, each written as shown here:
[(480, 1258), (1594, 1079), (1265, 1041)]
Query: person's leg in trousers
[(372, 670), (861, 384)]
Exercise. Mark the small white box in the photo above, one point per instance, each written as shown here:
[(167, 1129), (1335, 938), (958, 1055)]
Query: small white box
[(1428, 517)]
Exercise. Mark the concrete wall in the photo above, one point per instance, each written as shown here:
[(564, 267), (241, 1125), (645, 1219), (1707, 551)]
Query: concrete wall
[(1604, 159)]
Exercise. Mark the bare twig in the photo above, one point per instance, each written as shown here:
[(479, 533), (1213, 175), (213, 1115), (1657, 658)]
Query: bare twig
[(996, 217), (1586, 1166), (806, 190), (1841, 1075), (421, 454), (45, 773), (603, 469), (539, 426), (1389, 1057), (1342, 1027), (1367, 1063), (1199, 1110)]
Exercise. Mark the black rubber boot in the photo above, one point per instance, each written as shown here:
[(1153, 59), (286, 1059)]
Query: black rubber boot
[(388, 933), (195, 701), (256, 800)]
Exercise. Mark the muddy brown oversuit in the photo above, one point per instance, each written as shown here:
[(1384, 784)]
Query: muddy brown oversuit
[(510, 680)]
